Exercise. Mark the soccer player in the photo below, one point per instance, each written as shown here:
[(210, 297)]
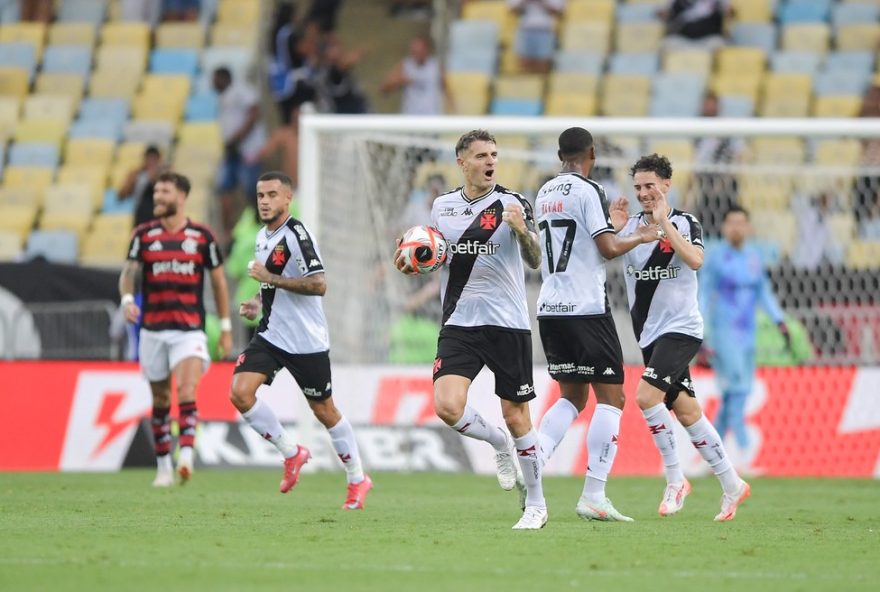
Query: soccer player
[(733, 285), (574, 318), (661, 285), (171, 255), (490, 231), (292, 334)]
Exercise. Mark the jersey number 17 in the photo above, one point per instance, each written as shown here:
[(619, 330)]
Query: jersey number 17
[(570, 230)]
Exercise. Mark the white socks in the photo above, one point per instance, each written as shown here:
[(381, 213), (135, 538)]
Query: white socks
[(602, 447), (474, 426), (554, 424), (263, 420), (708, 443), (347, 449), (660, 425), (186, 456), (527, 455), (163, 464)]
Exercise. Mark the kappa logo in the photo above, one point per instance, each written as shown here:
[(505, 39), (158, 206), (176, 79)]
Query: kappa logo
[(608, 372), (468, 212), (667, 379), (155, 246), (314, 263)]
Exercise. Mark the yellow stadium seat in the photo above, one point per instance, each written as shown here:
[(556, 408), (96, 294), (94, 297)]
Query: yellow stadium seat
[(234, 35), (20, 196), (10, 245), (470, 93), (104, 248), (776, 226), (72, 34), (9, 110), (752, 11), (18, 219), (46, 131), (158, 108), (590, 10), (776, 150), (736, 85), (625, 95), (120, 224), (14, 82), (122, 85), (570, 104), (125, 33), (68, 197), (570, 82), (806, 37), (238, 11), (180, 35), (35, 179), (837, 106), (741, 60), (525, 86), (863, 254), (786, 95), (590, 36), (486, 10), (67, 85), (205, 134), (130, 154), (75, 222), (84, 151), (862, 36), (191, 155), (33, 33), (839, 152), (638, 37), (45, 106), (127, 59), (93, 176), (166, 86), (843, 227), (688, 61)]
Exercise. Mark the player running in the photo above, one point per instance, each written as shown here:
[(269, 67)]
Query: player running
[(171, 254), (490, 231), (574, 318), (661, 285), (292, 334)]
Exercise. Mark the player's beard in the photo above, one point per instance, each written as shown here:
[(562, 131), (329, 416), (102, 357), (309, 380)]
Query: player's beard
[(272, 218), (169, 212)]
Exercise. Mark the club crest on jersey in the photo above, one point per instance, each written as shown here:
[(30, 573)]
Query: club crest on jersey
[(665, 245), (189, 246), (488, 221), (278, 257)]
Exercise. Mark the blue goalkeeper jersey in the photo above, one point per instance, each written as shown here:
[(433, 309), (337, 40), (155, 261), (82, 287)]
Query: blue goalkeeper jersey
[(733, 283)]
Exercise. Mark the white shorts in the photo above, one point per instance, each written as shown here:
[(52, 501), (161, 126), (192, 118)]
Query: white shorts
[(161, 351)]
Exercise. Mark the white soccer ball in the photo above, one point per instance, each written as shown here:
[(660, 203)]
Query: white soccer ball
[(424, 247)]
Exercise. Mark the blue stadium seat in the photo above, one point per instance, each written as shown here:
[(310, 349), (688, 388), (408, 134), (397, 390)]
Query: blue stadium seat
[(18, 55), (83, 11), (850, 61), (114, 205), (68, 59), (104, 108), (795, 62), (10, 12), (644, 64), (57, 246), (853, 13), (677, 95), (804, 11), (34, 154), (523, 107), (482, 62), (174, 61), (237, 59), (473, 36), (201, 107), (636, 13), (841, 82), (578, 62), (2, 157), (735, 106), (761, 35), (110, 129)]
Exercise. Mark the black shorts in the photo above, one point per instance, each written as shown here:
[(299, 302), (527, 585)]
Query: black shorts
[(311, 371), (582, 349), (463, 351), (666, 364)]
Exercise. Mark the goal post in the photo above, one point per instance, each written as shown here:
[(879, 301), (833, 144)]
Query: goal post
[(809, 183)]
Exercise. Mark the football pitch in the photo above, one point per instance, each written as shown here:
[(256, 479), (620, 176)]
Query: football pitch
[(232, 530)]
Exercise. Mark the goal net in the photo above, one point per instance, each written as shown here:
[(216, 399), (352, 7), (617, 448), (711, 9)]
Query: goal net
[(811, 187)]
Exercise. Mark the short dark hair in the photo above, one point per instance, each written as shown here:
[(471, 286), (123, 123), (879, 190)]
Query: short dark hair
[(477, 135), (152, 151), (653, 163), (575, 141), (223, 71), (277, 176), (179, 181), (735, 209)]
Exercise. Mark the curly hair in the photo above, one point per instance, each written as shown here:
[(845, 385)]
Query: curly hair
[(653, 163)]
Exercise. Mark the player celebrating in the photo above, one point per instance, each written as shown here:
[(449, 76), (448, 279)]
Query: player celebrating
[(292, 335), (490, 230), (171, 254), (577, 330), (661, 285)]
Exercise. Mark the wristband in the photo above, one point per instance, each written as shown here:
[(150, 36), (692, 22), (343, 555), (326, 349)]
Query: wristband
[(126, 300), (225, 324)]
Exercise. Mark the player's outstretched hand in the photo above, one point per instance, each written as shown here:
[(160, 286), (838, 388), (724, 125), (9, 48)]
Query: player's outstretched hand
[(401, 262), (618, 211), (513, 215), (649, 233), (249, 309), (661, 207), (131, 312)]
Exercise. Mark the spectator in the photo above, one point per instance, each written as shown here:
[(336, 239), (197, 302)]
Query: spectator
[(284, 142), (324, 13), (338, 88), (535, 37), (866, 188), (145, 11), (139, 183), (181, 10), (238, 113), (420, 75), (292, 65), (695, 23), (815, 245), (40, 11)]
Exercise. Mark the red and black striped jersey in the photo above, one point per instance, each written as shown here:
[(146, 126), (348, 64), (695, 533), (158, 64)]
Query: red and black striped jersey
[(172, 273)]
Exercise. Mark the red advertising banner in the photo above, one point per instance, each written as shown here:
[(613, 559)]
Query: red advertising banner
[(83, 416)]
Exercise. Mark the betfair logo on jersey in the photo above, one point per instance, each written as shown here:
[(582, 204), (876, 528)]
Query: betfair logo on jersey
[(653, 273), (473, 248), (174, 266), (557, 307)]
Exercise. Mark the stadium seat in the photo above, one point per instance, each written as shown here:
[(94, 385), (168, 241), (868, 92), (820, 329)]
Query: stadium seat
[(119, 224), (91, 175), (236, 59), (586, 36), (565, 82), (114, 84), (760, 35), (156, 133), (473, 36), (570, 104), (743, 85), (234, 35), (201, 108), (14, 82), (10, 245), (837, 106), (806, 37), (34, 155), (852, 13), (174, 61), (70, 86), (690, 61), (809, 11), (68, 59), (34, 179), (20, 196), (122, 59), (48, 107), (753, 11), (153, 108), (125, 34), (741, 60), (18, 218), (48, 131), (56, 246), (856, 61), (89, 151), (625, 95), (180, 36), (636, 13), (735, 106), (32, 33), (638, 37), (523, 86), (115, 110), (67, 200), (9, 110), (130, 154), (470, 93), (73, 33), (496, 11), (517, 107), (18, 55), (589, 10), (238, 11), (795, 62), (578, 62), (105, 248), (863, 254), (678, 95), (464, 62), (83, 11), (839, 82), (779, 150), (786, 95), (644, 64)]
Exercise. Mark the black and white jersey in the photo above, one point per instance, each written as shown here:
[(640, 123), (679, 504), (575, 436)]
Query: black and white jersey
[(292, 322), (572, 211), (482, 282), (661, 288)]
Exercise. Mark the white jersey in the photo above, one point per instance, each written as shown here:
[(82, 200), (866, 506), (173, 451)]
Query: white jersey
[(482, 283), (292, 322), (572, 211), (661, 288), (423, 94)]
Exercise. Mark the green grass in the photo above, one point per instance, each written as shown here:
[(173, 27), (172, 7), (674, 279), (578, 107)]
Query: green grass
[(423, 532)]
